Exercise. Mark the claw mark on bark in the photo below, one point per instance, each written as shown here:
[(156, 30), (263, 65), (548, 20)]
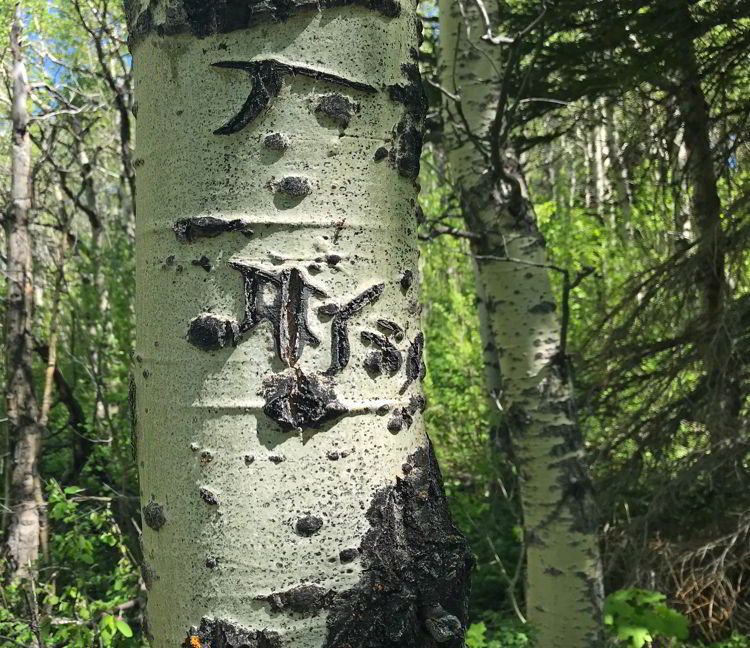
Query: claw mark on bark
[(191, 229), (266, 78), (415, 368)]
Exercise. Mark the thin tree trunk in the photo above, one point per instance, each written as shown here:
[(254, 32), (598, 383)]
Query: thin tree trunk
[(564, 586), (290, 495), (23, 413), (722, 415)]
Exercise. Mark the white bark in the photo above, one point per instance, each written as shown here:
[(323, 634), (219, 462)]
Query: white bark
[(564, 588), (278, 363)]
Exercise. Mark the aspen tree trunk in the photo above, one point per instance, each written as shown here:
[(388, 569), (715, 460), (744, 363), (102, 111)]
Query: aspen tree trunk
[(23, 412), (290, 495), (564, 588)]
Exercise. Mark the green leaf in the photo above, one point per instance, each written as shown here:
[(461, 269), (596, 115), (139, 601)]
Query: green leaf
[(124, 628), (72, 490), (637, 636)]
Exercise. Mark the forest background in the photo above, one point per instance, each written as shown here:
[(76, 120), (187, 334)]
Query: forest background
[(593, 97)]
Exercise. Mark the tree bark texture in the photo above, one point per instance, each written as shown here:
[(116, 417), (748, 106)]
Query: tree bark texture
[(290, 496), (564, 586), (722, 415), (23, 413)]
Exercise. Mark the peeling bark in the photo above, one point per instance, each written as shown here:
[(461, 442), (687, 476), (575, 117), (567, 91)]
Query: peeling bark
[(278, 507)]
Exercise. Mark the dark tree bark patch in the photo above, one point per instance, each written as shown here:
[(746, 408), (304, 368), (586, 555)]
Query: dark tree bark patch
[(294, 186), (348, 555), (217, 633), (303, 599), (410, 130), (212, 333), (338, 108), (297, 401), (309, 525), (203, 18), (386, 359), (380, 154), (191, 229), (153, 515), (204, 262), (208, 497), (415, 367), (276, 141), (416, 564), (407, 279)]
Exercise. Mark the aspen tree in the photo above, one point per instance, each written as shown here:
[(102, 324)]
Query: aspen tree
[(290, 495), (25, 432), (564, 587)]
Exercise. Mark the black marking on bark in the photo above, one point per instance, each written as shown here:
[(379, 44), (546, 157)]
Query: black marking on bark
[(338, 108), (543, 307), (419, 215), (203, 18), (409, 131), (333, 259), (249, 459), (205, 458), (203, 262), (417, 403), (415, 571), (277, 459), (415, 367), (153, 515), (391, 328), (218, 633), (266, 78), (303, 599), (286, 310), (297, 401), (148, 574), (208, 497), (386, 359), (133, 416), (308, 525), (348, 555), (396, 423), (294, 186), (407, 279), (328, 310), (211, 333), (191, 229), (383, 410), (212, 562), (276, 141), (380, 154), (340, 348)]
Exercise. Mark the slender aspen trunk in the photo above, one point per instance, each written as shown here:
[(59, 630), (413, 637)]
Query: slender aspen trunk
[(564, 587), (290, 495), (619, 176), (23, 413)]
